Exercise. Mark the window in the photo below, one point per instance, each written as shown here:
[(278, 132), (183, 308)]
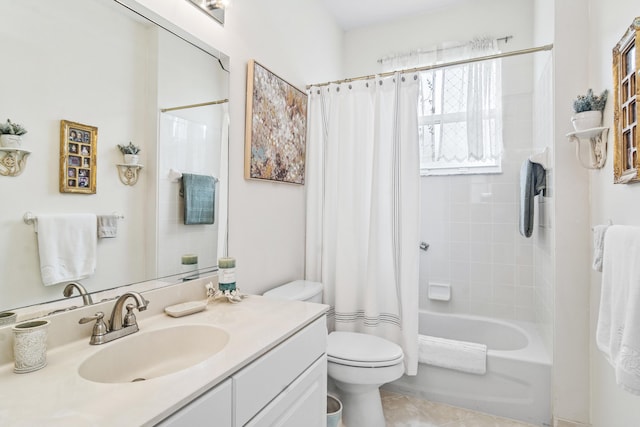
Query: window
[(460, 119)]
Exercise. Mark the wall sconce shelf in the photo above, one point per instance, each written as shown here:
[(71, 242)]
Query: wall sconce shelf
[(597, 143), (13, 161), (128, 173)]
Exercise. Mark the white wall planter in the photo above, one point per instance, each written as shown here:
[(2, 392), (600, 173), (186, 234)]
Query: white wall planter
[(131, 159), (10, 141), (586, 120)]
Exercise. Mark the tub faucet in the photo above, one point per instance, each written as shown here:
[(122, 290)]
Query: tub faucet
[(68, 291), (117, 328)]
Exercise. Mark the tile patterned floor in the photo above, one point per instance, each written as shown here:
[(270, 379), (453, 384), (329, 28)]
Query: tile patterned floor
[(407, 411)]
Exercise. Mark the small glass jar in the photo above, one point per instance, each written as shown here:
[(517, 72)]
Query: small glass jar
[(190, 267)]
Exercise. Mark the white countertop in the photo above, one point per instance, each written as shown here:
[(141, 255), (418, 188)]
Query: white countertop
[(57, 396)]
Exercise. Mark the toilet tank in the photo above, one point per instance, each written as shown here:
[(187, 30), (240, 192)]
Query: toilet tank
[(299, 290)]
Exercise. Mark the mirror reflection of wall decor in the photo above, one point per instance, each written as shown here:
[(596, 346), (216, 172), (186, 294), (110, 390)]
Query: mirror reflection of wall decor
[(626, 161), (77, 157), (276, 128)]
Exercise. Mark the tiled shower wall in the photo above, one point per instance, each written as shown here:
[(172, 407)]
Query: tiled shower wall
[(543, 237), (471, 225), (471, 221)]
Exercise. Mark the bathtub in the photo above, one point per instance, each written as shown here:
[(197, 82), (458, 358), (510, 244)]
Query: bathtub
[(517, 384)]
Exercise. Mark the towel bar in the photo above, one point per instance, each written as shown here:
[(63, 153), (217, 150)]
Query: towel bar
[(541, 158), (30, 218)]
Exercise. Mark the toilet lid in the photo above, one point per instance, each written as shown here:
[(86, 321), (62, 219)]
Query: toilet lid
[(356, 349)]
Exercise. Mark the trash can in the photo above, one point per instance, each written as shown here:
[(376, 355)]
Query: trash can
[(334, 411)]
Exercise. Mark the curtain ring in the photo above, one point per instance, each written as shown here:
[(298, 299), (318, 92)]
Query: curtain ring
[(403, 79)]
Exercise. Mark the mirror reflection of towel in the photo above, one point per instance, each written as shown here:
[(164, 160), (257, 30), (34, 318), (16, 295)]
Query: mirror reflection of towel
[(107, 226), (199, 193), (67, 247)]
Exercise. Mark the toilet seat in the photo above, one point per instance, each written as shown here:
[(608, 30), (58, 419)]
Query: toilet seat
[(362, 350)]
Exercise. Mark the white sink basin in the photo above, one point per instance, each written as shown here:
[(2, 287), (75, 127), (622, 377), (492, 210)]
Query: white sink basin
[(147, 355)]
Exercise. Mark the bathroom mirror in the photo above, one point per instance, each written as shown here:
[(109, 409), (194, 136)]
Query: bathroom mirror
[(103, 64)]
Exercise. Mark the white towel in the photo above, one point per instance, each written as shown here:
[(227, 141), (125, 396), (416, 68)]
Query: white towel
[(599, 232), (459, 355), (67, 247), (618, 329), (107, 226)]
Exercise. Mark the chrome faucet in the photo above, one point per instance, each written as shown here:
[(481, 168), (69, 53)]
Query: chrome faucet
[(117, 328), (68, 291)]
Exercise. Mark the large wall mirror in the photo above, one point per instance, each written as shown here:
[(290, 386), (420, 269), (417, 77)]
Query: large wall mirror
[(100, 63)]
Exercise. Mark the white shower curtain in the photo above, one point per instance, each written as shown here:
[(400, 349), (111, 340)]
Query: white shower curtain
[(363, 178)]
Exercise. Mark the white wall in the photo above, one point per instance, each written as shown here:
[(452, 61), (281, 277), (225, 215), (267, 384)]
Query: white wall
[(608, 21), (299, 41), (459, 23), (571, 200)]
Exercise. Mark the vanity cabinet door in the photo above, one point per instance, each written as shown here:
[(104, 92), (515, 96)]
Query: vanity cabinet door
[(261, 382), (303, 403), (214, 408)]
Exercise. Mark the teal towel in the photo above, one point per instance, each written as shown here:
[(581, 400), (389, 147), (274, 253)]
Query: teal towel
[(532, 182), (199, 193)]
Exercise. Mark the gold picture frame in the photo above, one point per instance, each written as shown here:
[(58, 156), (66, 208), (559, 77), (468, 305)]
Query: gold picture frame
[(626, 98), (275, 128), (78, 157)]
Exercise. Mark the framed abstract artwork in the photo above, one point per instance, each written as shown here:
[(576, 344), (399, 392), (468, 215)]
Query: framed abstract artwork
[(276, 128), (77, 157)]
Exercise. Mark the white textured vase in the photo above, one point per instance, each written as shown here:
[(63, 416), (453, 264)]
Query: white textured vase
[(131, 159), (10, 141), (586, 120), (30, 346)]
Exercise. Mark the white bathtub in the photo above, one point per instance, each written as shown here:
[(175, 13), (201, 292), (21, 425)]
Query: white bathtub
[(518, 380)]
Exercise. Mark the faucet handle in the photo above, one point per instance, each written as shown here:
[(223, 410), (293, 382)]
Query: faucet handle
[(129, 318), (99, 329), (97, 317)]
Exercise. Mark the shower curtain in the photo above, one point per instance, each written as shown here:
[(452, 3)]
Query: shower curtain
[(363, 178)]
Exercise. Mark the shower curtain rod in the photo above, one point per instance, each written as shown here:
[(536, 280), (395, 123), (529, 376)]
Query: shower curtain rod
[(443, 65), (204, 104)]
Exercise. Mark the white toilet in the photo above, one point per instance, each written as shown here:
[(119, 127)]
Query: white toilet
[(358, 363)]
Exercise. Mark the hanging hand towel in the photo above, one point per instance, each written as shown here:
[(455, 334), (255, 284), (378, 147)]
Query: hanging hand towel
[(532, 182), (107, 226), (618, 328), (458, 355), (599, 232), (67, 247), (199, 193)]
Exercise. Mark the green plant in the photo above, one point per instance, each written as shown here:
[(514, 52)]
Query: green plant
[(590, 102), (129, 149), (10, 128)]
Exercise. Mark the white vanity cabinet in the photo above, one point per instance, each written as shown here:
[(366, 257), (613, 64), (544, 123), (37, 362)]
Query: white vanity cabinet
[(213, 408), (286, 387)]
